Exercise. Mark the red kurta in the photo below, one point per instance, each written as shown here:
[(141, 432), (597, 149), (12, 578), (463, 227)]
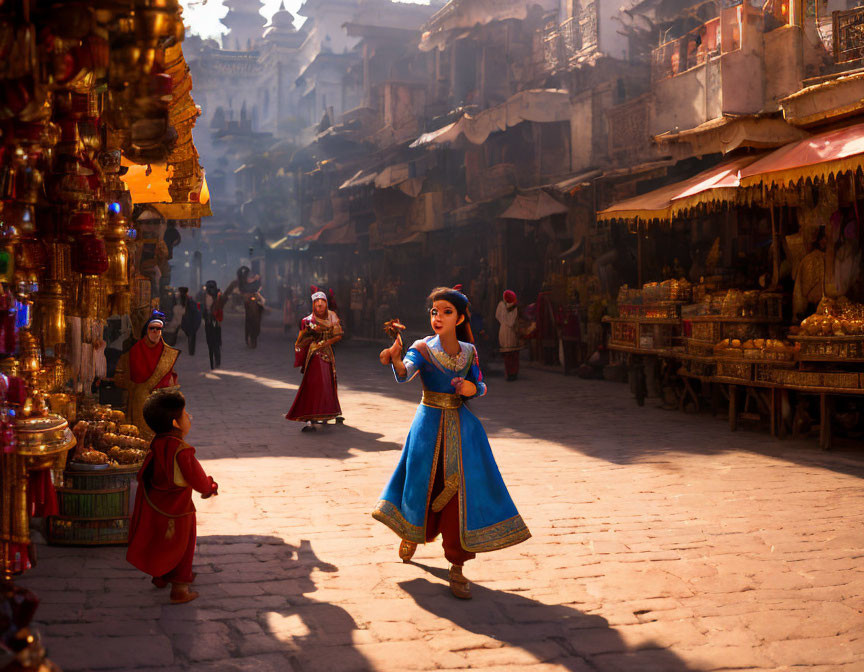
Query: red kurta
[(162, 530), (143, 359)]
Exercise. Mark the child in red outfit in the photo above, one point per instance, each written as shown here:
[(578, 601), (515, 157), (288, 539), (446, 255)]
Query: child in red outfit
[(162, 531)]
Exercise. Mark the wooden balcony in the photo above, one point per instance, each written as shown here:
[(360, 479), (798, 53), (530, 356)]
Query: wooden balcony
[(848, 35), (562, 43)]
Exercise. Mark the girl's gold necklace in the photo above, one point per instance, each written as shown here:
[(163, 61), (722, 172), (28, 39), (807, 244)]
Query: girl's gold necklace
[(452, 362)]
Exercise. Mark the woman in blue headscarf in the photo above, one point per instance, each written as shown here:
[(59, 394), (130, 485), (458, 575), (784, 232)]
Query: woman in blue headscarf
[(446, 481)]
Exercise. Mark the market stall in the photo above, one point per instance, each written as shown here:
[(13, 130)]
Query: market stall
[(774, 239), (84, 86)]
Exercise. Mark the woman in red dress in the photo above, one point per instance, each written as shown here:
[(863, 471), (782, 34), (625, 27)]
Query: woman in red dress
[(316, 400)]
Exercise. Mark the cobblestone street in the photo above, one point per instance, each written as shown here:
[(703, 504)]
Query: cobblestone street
[(662, 542)]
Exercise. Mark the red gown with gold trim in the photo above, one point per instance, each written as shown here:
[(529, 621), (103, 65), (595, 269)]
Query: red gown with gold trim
[(317, 397)]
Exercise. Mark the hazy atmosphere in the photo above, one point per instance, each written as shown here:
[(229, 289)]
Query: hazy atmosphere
[(374, 336)]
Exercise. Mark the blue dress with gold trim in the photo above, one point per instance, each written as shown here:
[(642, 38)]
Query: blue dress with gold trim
[(488, 519)]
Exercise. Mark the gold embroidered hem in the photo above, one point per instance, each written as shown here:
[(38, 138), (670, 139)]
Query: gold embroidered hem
[(387, 513), (495, 537), (500, 535)]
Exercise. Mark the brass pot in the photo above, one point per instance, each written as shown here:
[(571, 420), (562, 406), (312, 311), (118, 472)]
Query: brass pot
[(43, 440)]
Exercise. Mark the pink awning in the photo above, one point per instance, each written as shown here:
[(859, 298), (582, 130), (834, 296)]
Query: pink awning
[(722, 182), (816, 157)]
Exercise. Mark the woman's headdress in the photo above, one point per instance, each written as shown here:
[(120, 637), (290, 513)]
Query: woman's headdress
[(157, 317)]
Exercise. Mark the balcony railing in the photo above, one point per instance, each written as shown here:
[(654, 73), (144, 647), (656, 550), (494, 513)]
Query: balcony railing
[(572, 36), (561, 42), (554, 58), (686, 52), (848, 35)]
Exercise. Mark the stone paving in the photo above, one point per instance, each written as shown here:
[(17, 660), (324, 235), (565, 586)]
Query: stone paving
[(662, 542)]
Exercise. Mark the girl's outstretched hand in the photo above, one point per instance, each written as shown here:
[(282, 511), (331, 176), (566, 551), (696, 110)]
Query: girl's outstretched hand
[(393, 353), (464, 388)]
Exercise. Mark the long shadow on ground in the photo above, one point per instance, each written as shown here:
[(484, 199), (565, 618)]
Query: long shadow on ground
[(255, 611), (551, 633), (268, 611)]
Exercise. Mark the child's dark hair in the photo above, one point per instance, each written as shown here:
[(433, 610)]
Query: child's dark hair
[(161, 410), (461, 303)]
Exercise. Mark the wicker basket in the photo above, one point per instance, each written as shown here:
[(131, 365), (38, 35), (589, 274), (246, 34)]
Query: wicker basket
[(94, 507), (94, 503)]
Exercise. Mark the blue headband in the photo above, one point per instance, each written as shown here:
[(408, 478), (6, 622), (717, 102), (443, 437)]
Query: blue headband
[(458, 299)]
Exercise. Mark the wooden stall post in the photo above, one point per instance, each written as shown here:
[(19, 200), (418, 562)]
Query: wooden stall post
[(825, 421), (775, 250), (733, 407)]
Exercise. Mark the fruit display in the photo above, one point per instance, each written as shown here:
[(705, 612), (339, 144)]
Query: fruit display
[(757, 348), (838, 317)]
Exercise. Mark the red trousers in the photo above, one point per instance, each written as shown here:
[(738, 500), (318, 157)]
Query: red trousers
[(511, 362), (446, 521), (182, 573)]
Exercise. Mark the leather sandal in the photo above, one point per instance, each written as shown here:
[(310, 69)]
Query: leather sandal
[(459, 585), (406, 550), (180, 593)]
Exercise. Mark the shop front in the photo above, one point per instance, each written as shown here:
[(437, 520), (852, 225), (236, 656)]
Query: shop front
[(761, 310)]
